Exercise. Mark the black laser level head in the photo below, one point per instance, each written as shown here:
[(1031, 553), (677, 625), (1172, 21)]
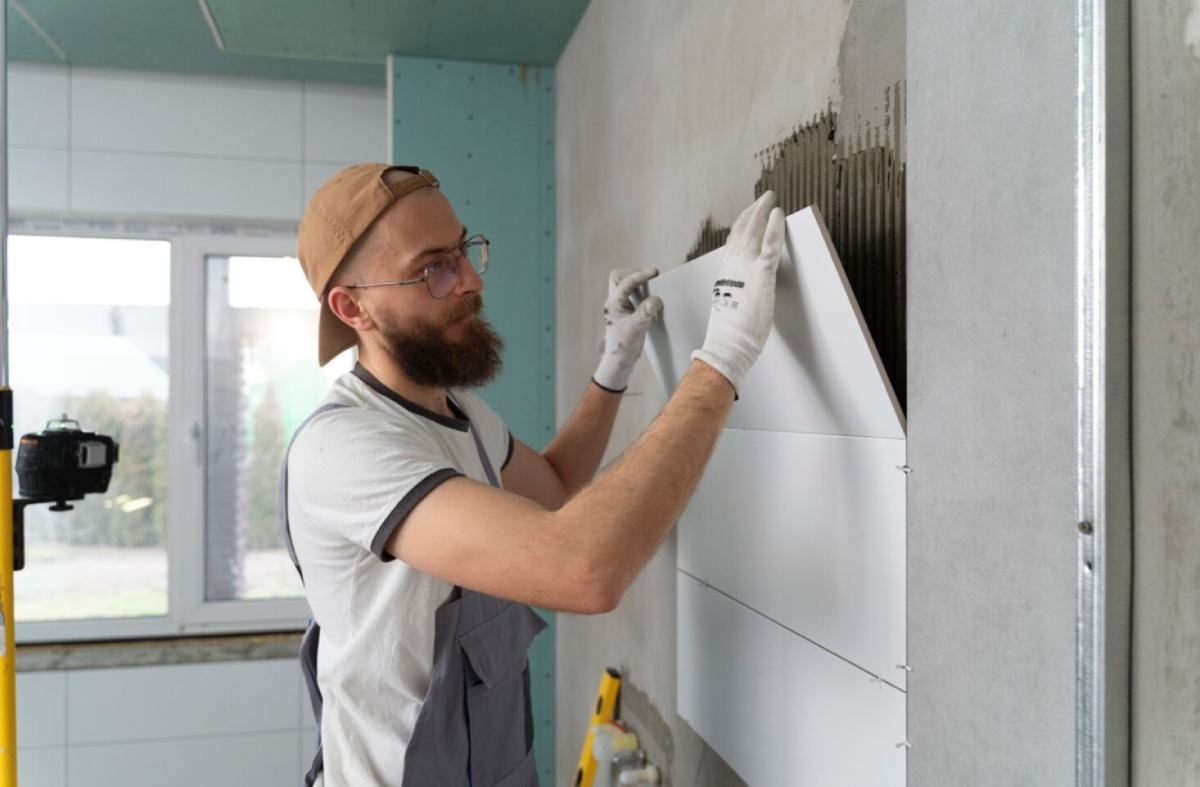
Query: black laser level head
[(63, 462)]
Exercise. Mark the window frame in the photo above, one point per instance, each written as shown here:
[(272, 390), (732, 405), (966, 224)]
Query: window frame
[(188, 611)]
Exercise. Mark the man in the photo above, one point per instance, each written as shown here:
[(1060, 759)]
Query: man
[(423, 529)]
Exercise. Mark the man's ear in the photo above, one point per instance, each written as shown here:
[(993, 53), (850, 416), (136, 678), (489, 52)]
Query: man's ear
[(348, 309)]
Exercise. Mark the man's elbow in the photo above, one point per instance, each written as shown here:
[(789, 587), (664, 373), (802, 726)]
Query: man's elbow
[(599, 593)]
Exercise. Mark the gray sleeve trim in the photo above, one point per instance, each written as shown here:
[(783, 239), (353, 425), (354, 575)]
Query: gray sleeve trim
[(398, 514), (508, 455)]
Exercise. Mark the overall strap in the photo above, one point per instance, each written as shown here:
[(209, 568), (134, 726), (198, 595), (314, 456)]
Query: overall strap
[(490, 471)]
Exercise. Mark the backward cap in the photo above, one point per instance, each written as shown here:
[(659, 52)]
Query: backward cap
[(337, 216)]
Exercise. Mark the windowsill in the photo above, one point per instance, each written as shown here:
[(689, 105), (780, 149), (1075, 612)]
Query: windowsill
[(157, 652)]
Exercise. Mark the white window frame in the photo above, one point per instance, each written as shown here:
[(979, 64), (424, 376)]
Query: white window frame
[(188, 611)]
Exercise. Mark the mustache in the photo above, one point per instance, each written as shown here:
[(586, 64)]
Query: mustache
[(472, 304)]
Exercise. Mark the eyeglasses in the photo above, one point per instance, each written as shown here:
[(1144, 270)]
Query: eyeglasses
[(441, 275)]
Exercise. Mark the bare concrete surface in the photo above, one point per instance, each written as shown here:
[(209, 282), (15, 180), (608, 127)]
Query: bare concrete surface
[(1166, 393), (992, 540)]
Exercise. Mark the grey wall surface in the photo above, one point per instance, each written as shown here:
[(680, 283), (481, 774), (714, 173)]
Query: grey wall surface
[(1166, 392), (992, 537), (662, 110)]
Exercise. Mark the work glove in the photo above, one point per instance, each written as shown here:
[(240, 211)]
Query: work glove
[(743, 303), (625, 327)]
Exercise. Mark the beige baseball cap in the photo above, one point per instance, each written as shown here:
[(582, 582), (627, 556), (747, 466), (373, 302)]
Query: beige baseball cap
[(337, 216)]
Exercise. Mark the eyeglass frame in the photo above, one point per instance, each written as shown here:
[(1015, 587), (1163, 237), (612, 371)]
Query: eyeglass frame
[(454, 255)]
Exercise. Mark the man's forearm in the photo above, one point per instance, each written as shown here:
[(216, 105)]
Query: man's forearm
[(576, 451), (626, 513)]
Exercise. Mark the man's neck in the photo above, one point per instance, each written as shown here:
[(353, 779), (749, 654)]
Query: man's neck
[(390, 374)]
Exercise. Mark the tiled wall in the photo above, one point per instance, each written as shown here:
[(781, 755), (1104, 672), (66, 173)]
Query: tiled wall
[(232, 723), (101, 142)]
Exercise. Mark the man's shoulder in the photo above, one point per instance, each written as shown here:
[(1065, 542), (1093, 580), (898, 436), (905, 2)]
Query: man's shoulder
[(475, 407)]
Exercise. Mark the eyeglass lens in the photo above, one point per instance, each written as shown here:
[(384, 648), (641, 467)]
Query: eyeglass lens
[(442, 273)]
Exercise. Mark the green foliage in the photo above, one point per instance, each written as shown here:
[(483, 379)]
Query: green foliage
[(265, 456), (133, 513)]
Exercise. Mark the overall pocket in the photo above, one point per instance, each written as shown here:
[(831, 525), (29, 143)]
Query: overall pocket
[(496, 677)]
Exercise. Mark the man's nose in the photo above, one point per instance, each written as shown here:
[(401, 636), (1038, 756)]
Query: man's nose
[(468, 280)]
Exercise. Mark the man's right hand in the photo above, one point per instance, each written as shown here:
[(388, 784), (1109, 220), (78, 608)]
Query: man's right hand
[(743, 302)]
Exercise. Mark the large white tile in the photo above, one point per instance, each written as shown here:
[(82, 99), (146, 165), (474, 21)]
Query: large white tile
[(778, 709), (41, 708), (128, 112), (308, 721), (810, 531), (146, 703), (118, 183), (37, 106), (42, 767), (308, 749), (819, 371), (37, 179), (261, 760), (345, 124)]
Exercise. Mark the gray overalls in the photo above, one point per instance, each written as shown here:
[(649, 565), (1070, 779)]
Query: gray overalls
[(475, 726)]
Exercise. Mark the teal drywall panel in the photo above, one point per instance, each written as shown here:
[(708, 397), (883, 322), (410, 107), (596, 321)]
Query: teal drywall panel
[(487, 132)]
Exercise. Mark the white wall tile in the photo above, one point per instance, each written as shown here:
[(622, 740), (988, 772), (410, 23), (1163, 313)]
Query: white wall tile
[(185, 115), (261, 760), (42, 767), (345, 124), (181, 700), (307, 720), (308, 749), (37, 179), (37, 106), (41, 708), (173, 185), (818, 373), (810, 531), (777, 708)]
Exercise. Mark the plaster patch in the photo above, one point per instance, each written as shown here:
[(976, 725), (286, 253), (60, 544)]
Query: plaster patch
[(1191, 31)]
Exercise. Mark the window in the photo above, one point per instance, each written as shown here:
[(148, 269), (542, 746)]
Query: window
[(260, 384), (88, 339), (196, 351)]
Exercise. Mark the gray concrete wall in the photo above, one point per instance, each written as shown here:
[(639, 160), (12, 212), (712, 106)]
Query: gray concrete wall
[(662, 108), (992, 537), (1166, 392)]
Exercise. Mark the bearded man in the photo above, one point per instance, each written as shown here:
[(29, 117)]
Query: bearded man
[(423, 530)]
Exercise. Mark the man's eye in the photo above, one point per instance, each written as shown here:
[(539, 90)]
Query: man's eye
[(435, 267)]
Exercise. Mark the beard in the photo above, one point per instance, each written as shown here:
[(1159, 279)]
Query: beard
[(429, 358)]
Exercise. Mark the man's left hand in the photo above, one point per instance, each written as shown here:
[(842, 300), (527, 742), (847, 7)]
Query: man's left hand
[(625, 327)]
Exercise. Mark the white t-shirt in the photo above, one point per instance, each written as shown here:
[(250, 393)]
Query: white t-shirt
[(354, 474)]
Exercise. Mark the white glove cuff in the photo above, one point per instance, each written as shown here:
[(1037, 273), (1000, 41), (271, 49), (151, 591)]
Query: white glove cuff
[(734, 373), (612, 375)]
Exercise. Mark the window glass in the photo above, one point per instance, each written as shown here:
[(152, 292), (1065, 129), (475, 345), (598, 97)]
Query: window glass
[(88, 322), (262, 381)]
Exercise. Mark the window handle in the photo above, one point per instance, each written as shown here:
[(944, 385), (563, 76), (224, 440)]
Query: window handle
[(198, 442)]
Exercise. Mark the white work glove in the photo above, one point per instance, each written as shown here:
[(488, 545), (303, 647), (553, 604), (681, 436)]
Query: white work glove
[(743, 302), (625, 327)]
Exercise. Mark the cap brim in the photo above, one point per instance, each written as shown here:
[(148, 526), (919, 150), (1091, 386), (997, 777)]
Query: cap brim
[(333, 335)]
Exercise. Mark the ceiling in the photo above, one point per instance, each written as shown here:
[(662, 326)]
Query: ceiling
[(343, 41)]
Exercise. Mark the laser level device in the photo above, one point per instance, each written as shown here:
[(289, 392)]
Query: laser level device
[(60, 464)]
